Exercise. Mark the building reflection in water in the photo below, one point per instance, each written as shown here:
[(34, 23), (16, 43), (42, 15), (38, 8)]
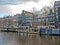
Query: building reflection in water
[(27, 39), (35, 39)]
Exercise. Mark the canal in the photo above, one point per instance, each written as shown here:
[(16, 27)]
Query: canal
[(9, 38)]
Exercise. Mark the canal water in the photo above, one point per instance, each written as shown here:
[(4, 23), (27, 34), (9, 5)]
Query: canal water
[(9, 38)]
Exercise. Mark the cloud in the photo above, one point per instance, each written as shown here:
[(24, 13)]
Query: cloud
[(12, 2), (5, 9), (14, 9), (28, 6)]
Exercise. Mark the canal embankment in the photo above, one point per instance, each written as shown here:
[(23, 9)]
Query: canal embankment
[(30, 31)]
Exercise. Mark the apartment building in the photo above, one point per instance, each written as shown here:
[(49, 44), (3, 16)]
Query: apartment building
[(57, 14), (16, 20), (51, 18)]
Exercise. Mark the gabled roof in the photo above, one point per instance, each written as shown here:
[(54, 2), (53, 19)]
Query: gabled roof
[(29, 12)]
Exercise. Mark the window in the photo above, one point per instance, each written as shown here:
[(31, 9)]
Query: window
[(52, 24), (39, 20), (53, 27), (57, 16), (56, 13), (28, 20)]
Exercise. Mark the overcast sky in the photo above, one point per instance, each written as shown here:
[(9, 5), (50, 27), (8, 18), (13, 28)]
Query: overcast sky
[(11, 7)]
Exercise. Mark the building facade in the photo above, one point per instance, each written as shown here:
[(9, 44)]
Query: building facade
[(51, 18), (32, 20), (27, 18), (16, 20), (57, 14), (1, 23)]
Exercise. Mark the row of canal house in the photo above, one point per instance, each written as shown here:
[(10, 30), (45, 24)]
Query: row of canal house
[(16, 20), (10, 21), (33, 21), (48, 17), (54, 15), (1, 22), (5, 22)]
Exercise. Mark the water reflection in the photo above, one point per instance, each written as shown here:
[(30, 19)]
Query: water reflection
[(35, 39), (27, 39)]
